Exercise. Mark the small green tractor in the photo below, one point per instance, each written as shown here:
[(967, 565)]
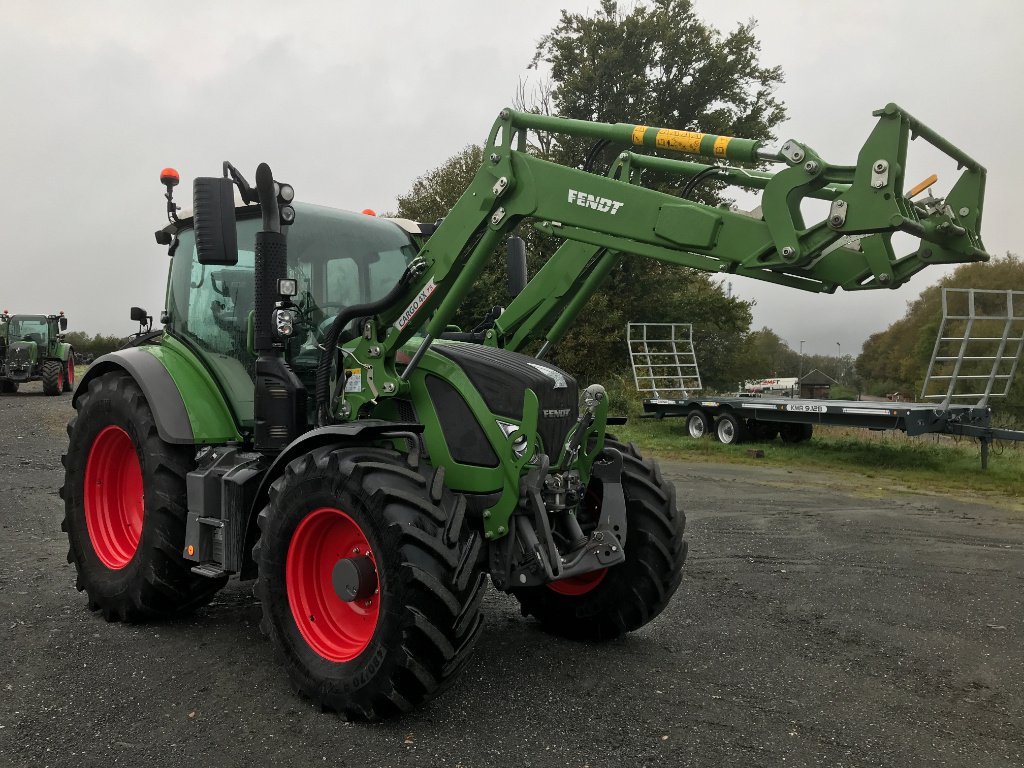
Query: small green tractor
[(32, 348), (308, 417)]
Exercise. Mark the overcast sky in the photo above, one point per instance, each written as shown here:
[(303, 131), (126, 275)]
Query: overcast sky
[(352, 101)]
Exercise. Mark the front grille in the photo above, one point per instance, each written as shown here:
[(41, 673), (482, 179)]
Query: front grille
[(502, 377)]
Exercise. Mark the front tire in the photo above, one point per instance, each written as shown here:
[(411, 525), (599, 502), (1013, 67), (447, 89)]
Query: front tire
[(125, 507), (698, 424), (52, 374), (608, 604), (416, 625)]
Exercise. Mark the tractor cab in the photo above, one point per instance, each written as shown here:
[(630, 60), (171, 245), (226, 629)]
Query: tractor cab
[(30, 338), (337, 258)]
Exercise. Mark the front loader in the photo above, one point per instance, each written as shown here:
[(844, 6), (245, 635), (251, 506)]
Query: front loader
[(32, 348), (309, 419)]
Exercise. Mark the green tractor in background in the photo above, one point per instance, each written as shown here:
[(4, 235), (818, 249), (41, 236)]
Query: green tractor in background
[(32, 348)]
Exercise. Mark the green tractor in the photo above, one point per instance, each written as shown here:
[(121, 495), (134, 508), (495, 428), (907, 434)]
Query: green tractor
[(32, 348), (309, 418)]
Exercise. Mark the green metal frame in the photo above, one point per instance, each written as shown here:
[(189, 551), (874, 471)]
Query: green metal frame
[(601, 217)]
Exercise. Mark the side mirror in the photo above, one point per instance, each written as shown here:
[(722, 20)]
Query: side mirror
[(516, 265), (63, 323), (139, 315), (213, 201)]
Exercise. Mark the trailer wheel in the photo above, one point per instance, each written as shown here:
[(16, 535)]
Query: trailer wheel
[(796, 433), (609, 603), (69, 373), (8, 387), (125, 507), (730, 430), (698, 424), (52, 374), (362, 523)]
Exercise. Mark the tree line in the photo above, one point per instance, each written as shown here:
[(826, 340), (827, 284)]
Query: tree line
[(94, 345)]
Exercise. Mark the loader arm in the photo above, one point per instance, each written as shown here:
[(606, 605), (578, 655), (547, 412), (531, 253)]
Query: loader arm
[(602, 217)]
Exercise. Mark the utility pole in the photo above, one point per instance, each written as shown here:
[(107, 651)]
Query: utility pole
[(839, 360)]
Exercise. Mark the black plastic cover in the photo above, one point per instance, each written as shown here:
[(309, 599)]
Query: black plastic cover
[(214, 221)]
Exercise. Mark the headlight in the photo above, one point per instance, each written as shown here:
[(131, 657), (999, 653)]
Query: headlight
[(520, 444), (284, 323)]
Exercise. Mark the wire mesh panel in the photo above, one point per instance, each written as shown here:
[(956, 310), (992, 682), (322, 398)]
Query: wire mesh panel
[(663, 359), (978, 347)]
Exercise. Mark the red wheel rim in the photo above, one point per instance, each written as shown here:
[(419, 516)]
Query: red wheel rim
[(71, 372), (578, 585), (114, 503), (335, 629)]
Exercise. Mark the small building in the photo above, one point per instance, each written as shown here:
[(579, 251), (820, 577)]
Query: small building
[(816, 385)]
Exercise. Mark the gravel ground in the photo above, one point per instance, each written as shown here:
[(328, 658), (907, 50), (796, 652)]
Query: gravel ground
[(821, 622)]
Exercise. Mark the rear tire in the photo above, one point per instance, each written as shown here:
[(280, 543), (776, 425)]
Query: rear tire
[(52, 374), (125, 507), (629, 595), (386, 654)]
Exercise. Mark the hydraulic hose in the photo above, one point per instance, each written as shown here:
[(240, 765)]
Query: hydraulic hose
[(342, 319)]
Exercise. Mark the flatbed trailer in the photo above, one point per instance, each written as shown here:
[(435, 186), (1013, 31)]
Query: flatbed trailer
[(735, 419)]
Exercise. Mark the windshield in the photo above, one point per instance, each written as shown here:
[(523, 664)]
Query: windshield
[(28, 329), (339, 259)]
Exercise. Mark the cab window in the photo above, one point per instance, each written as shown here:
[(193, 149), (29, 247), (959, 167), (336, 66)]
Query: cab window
[(339, 259)]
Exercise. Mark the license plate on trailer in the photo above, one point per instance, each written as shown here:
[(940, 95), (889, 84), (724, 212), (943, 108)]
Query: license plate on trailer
[(806, 408)]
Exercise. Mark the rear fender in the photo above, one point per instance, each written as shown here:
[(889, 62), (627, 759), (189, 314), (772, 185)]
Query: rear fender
[(162, 373)]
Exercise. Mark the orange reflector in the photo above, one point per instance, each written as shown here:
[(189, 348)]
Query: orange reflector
[(369, 211), (923, 186), (191, 550)]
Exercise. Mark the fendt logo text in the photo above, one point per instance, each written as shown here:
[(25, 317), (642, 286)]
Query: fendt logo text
[(602, 204)]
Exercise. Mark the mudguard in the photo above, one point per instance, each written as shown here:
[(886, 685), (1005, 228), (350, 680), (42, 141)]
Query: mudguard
[(337, 435), (161, 372)]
